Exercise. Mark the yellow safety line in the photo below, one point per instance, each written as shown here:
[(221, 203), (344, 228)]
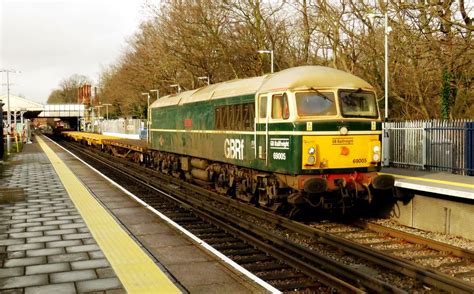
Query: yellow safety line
[(431, 180), (137, 272)]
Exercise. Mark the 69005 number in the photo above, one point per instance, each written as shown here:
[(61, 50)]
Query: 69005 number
[(359, 160), (279, 155)]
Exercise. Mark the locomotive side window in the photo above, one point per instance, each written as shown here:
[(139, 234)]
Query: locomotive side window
[(262, 106), (237, 117), (315, 103), (280, 109)]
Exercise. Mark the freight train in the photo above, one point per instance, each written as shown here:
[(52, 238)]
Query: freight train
[(308, 136)]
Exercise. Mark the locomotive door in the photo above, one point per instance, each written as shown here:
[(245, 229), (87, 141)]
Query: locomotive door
[(261, 124)]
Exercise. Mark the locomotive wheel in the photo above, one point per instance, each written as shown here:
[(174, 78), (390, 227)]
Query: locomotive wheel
[(244, 196), (263, 198)]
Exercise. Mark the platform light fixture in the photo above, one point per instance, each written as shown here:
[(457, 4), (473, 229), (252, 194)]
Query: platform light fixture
[(147, 97), (176, 86), (98, 107), (9, 119), (271, 57), (206, 78), (157, 91), (107, 109), (148, 114), (147, 101)]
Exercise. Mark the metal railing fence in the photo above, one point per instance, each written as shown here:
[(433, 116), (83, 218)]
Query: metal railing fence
[(432, 145), (121, 126)]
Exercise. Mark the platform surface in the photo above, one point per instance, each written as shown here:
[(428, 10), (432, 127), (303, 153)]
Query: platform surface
[(433, 182), (48, 247)]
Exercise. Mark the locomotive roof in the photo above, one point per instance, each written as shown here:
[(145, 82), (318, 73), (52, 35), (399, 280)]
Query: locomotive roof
[(310, 76), (296, 78)]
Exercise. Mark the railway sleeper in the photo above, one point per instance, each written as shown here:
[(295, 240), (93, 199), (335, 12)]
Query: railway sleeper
[(218, 240), (281, 275), (234, 245), (242, 260), (267, 266), (242, 252), (300, 285)]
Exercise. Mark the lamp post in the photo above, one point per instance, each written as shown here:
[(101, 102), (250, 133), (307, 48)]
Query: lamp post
[(148, 119), (98, 110), (385, 137), (157, 93), (147, 111), (107, 109), (206, 78), (387, 30), (149, 115), (9, 119), (176, 86), (147, 99), (271, 57), (98, 107)]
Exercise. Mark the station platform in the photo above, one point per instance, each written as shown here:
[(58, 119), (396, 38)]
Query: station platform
[(66, 229), (441, 183), (433, 201)]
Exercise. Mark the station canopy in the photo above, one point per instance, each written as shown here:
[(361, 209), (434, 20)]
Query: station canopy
[(30, 108)]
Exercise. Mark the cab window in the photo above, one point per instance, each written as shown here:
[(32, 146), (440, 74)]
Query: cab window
[(358, 103), (280, 109), (315, 103)]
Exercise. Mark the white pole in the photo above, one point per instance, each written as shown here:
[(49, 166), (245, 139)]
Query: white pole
[(386, 65), (9, 119), (385, 137), (271, 57)]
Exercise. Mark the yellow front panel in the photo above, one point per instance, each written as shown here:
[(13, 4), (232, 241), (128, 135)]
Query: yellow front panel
[(339, 151)]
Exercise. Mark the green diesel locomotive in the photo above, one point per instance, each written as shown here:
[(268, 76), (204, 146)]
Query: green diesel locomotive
[(308, 135)]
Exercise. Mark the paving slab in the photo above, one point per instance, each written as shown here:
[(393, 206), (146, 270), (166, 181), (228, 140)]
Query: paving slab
[(36, 232)]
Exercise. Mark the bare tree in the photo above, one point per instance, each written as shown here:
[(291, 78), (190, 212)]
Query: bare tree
[(67, 92)]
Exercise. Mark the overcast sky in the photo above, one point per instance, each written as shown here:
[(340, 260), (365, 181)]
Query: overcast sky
[(49, 40)]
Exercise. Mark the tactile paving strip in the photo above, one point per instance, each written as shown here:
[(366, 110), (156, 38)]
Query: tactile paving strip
[(46, 245)]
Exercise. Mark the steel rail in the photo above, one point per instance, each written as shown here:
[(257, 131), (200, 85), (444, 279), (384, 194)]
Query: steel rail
[(407, 268), (433, 244), (196, 205), (289, 259), (429, 276)]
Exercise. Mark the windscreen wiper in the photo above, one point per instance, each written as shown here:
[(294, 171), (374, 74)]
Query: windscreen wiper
[(353, 92), (320, 94)]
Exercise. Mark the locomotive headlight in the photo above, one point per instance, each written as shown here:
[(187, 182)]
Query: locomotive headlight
[(311, 160), (376, 157), (343, 131), (375, 153), (311, 150)]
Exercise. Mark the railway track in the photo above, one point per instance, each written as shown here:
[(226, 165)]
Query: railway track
[(229, 240), (287, 254), (448, 259)]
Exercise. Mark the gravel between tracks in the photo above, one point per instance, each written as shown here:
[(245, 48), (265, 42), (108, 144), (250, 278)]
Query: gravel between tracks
[(440, 237)]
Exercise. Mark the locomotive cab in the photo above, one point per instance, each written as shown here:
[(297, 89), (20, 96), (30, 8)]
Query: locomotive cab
[(327, 139)]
